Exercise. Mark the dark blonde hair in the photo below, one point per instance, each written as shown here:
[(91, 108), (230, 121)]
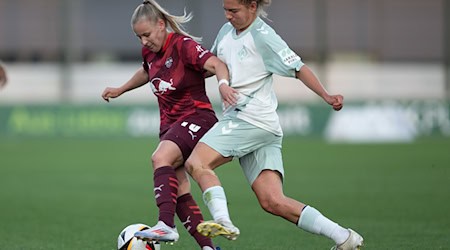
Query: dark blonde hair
[(261, 5), (152, 11)]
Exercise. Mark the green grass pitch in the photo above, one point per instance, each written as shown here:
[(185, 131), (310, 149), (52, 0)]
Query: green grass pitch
[(79, 194)]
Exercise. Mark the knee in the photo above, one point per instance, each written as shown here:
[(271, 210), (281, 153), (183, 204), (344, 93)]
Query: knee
[(193, 167), (197, 169), (271, 205), (161, 159), (189, 166), (156, 159)]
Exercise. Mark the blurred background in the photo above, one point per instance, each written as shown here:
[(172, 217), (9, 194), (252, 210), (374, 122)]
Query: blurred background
[(75, 170), (389, 58)]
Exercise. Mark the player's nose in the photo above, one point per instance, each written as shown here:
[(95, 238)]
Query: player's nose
[(228, 15), (144, 42)]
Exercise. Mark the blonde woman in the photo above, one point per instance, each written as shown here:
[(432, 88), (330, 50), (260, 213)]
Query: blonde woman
[(174, 65), (250, 128)]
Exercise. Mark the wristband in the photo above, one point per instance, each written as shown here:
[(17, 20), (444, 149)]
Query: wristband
[(224, 81)]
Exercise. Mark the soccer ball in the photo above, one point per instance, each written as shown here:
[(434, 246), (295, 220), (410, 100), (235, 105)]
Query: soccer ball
[(127, 241)]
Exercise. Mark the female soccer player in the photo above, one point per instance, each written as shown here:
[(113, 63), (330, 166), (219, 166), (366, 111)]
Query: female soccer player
[(250, 129), (174, 64)]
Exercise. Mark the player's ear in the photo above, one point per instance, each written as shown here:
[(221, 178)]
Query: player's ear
[(161, 24), (253, 6)]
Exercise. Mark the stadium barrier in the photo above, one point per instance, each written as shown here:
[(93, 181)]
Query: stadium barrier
[(380, 121)]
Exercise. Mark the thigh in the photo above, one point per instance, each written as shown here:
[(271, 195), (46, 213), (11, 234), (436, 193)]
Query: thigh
[(186, 132), (236, 138), (203, 156), (268, 185), (167, 153), (267, 157)]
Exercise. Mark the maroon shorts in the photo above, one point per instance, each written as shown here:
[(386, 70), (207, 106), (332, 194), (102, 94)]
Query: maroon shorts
[(187, 132)]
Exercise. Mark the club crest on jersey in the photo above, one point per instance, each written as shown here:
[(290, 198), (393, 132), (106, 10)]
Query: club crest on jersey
[(169, 62), (243, 53), (220, 52), (159, 86)]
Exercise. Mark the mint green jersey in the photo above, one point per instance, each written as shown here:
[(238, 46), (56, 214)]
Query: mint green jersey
[(252, 57)]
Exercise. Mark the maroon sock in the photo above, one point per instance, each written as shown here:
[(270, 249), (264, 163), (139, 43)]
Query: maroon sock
[(166, 189), (190, 215)]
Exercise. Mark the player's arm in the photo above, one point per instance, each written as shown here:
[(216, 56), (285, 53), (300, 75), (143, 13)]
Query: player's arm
[(3, 77), (137, 80), (208, 74), (312, 82), (217, 67)]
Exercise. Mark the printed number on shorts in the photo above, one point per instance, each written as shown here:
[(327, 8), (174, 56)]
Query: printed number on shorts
[(193, 128)]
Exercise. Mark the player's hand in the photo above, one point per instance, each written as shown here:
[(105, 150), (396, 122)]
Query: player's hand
[(111, 93), (229, 95), (336, 101), (3, 78)]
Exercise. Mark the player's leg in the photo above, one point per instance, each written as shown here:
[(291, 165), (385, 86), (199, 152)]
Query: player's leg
[(175, 147), (215, 149), (264, 171), (188, 211), (165, 159), (200, 165), (269, 191), (228, 138)]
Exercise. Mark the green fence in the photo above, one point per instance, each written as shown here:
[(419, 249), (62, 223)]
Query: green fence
[(387, 120)]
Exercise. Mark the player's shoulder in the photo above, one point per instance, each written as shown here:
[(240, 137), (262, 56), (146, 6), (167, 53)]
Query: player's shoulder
[(262, 29), (184, 40), (226, 28), (179, 38), (265, 36)]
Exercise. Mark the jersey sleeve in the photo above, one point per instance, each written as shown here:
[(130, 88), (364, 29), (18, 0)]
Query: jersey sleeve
[(224, 30), (193, 54), (278, 57)]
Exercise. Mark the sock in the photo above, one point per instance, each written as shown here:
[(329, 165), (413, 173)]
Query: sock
[(216, 201), (313, 221), (166, 189), (190, 215)]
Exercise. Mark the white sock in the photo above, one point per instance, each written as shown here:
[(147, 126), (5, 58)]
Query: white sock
[(216, 201), (313, 221)]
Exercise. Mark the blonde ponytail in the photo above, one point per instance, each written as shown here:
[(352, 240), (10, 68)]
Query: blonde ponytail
[(151, 10)]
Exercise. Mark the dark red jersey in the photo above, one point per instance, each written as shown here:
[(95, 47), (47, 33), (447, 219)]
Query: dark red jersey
[(176, 78)]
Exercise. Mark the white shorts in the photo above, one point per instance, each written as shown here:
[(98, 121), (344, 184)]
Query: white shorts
[(256, 148)]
